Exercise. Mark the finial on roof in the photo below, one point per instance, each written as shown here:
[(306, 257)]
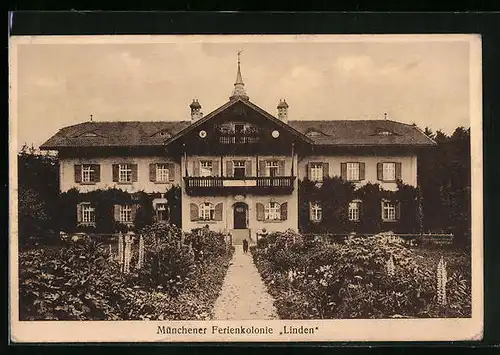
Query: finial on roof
[(239, 86), (385, 115), (90, 117)]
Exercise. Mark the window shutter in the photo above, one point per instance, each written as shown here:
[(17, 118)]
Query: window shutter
[(171, 171), (193, 210), (398, 171), (343, 170), (248, 168), (311, 211), (215, 168), (196, 168), (152, 172), (308, 171), (361, 171), (281, 164), (326, 168), (262, 168), (218, 212), (117, 212), (260, 211), (133, 211), (79, 213), (380, 172), (78, 173), (284, 211), (97, 172), (134, 172), (398, 210), (116, 169), (229, 168)]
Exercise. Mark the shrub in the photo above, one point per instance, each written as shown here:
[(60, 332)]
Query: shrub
[(350, 279), (80, 280)]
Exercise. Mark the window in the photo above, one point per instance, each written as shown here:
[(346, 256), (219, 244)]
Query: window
[(272, 211), (161, 173), (389, 171), (206, 168), (388, 211), (125, 214), (239, 168), (316, 172), (88, 173), (88, 213), (207, 211), (272, 168), (353, 171), (125, 173), (161, 211), (316, 213), (239, 128), (353, 211)]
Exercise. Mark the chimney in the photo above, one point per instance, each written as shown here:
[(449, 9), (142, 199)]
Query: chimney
[(196, 113), (283, 111)]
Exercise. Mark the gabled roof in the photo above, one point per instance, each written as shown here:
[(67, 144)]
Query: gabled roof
[(233, 102), (362, 133), (332, 133)]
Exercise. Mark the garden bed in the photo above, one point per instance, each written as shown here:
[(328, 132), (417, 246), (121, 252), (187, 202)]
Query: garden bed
[(362, 277), (180, 279)]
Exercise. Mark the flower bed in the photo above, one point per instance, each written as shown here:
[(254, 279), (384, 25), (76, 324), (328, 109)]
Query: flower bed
[(180, 279), (361, 277)]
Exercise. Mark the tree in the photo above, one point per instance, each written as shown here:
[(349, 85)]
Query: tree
[(38, 190)]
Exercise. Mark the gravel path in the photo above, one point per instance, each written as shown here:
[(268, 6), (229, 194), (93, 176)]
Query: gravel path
[(243, 294)]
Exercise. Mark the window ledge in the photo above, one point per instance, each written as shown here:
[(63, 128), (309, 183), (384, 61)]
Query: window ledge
[(162, 182), (206, 222), (273, 221), (124, 183), (390, 220), (86, 224), (88, 183)]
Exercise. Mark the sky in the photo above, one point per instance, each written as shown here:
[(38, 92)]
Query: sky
[(62, 83)]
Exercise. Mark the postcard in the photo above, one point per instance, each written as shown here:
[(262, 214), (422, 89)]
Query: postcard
[(278, 188)]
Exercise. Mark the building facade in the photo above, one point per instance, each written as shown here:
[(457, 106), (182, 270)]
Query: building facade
[(238, 167)]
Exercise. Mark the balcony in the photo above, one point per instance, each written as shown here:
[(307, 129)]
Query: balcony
[(238, 138), (215, 185)]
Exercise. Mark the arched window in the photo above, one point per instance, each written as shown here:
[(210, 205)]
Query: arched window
[(207, 211), (272, 211)]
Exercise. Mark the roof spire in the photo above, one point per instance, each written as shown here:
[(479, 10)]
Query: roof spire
[(239, 86)]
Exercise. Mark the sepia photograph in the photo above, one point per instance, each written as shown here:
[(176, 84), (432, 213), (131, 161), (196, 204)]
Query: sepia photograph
[(245, 188)]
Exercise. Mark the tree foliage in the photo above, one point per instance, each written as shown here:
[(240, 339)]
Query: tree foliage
[(38, 189)]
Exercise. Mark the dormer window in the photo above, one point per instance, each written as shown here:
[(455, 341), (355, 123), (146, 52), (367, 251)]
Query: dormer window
[(314, 134)]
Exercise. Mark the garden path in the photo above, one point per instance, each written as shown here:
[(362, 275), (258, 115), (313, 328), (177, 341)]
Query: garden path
[(244, 295)]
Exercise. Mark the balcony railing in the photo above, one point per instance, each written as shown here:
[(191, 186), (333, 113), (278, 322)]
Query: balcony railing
[(239, 138), (227, 185)]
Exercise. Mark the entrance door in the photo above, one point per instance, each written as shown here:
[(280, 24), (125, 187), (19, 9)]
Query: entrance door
[(240, 216)]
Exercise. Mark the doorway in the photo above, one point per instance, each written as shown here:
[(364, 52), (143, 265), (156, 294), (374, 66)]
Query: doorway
[(240, 215)]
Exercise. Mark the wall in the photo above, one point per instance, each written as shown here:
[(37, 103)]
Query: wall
[(253, 159), (67, 174), (227, 223), (408, 167)]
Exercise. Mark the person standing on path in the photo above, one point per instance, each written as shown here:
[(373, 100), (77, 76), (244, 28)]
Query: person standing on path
[(245, 245)]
